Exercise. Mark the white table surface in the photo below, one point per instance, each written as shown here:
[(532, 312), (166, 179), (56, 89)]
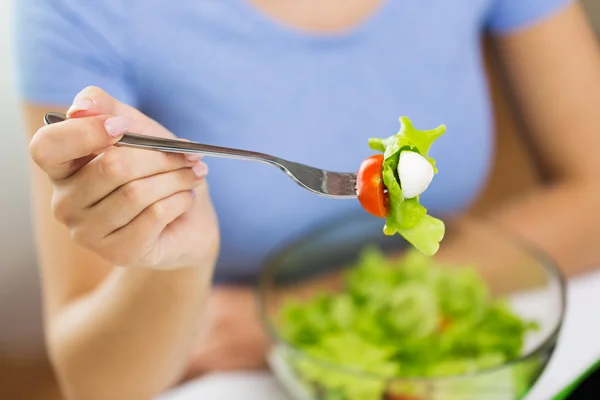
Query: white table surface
[(578, 348)]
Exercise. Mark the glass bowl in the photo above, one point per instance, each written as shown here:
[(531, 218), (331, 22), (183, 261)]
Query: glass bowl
[(513, 270)]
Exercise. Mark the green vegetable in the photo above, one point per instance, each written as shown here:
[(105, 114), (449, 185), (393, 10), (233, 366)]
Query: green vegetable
[(408, 217), (399, 318)]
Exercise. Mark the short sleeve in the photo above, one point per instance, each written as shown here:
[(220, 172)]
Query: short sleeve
[(63, 46), (509, 15)]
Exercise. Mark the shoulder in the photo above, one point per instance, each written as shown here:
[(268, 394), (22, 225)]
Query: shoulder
[(508, 15), (84, 21), (63, 46)]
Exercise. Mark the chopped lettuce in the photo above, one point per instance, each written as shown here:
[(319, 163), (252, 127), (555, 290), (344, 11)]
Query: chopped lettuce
[(408, 217), (399, 318)]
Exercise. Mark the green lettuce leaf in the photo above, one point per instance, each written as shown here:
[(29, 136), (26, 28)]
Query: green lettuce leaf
[(408, 217), (426, 235)]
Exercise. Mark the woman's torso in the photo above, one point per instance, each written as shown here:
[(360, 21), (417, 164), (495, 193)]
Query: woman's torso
[(223, 73)]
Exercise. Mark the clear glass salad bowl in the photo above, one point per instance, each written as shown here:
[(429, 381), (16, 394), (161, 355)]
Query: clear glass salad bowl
[(529, 283)]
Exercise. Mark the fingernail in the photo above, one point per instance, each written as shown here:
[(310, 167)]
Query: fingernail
[(116, 126), (80, 105), (200, 170), (194, 157)]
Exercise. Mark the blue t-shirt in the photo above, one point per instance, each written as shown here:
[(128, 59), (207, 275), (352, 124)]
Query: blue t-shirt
[(224, 73)]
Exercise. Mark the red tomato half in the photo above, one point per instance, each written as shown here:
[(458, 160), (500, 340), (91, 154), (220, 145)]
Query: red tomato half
[(370, 188)]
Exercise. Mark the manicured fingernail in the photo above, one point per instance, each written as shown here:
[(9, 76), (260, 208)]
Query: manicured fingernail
[(194, 157), (200, 170), (116, 126), (80, 105)]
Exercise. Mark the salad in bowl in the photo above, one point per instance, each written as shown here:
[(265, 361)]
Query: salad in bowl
[(359, 315)]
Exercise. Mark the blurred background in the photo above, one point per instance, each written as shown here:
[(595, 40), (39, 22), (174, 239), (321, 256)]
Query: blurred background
[(20, 312), (19, 294)]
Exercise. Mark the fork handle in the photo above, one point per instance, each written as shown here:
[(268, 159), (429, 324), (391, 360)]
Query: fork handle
[(178, 146)]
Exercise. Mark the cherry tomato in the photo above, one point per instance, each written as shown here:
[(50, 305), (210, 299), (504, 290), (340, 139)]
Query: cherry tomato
[(371, 191)]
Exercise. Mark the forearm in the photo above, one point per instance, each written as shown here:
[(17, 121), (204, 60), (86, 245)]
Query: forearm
[(562, 219), (130, 338)]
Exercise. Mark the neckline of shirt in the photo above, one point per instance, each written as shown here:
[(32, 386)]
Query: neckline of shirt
[(268, 24)]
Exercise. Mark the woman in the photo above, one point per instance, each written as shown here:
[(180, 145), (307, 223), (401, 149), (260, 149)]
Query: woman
[(128, 239)]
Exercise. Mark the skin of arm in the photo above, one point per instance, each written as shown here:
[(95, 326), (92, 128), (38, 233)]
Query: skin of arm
[(112, 332), (554, 71)]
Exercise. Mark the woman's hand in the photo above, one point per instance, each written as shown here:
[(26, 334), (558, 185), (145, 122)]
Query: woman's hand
[(135, 208), (124, 332), (234, 338)]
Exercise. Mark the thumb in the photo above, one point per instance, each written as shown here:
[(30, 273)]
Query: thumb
[(61, 149)]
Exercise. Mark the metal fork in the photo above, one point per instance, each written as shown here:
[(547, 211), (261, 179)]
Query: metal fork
[(324, 183)]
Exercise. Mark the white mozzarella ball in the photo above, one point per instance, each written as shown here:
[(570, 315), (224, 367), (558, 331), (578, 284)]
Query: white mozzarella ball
[(415, 172)]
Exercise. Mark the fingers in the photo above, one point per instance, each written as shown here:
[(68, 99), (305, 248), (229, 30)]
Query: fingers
[(117, 185), (136, 196), (125, 223), (96, 122), (144, 230), (56, 148), (115, 168)]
